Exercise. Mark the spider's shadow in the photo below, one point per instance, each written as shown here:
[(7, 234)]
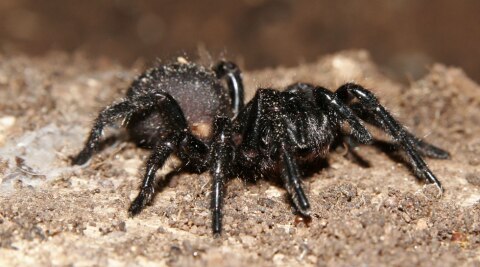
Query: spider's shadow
[(395, 154), (111, 141), (391, 150), (117, 136), (307, 170)]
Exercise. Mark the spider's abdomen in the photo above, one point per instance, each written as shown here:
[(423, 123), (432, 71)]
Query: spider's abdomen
[(196, 89)]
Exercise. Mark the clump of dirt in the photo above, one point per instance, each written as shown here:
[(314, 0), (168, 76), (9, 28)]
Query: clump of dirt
[(374, 213)]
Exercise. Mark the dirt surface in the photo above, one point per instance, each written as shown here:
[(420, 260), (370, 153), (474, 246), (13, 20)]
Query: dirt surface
[(366, 210)]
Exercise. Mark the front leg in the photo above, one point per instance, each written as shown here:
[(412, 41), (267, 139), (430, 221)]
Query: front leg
[(342, 112), (338, 111), (386, 121), (423, 147)]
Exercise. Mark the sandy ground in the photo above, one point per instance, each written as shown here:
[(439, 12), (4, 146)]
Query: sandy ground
[(367, 209)]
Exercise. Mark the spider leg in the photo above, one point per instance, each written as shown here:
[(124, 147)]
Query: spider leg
[(423, 147), (160, 101), (181, 138), (248, 122), (158, 157), (106, 116), (292, 182), (221, 157), (235, 84), (296, 122), (370, 103), (341, 111), (336, 108)]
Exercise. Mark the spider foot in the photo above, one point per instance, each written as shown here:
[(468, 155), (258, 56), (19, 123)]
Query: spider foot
[(141, 201), (433, 180), (81, 158), (217, 223), (304, 210)]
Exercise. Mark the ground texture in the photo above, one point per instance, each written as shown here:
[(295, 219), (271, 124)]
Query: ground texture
[(368, 208)]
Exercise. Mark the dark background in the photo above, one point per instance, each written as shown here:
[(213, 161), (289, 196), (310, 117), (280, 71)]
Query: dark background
[(404, 36)]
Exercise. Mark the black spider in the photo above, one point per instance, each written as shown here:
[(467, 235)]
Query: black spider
[(169, 109)]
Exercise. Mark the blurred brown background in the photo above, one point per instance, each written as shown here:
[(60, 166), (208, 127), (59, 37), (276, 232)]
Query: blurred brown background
[(404, 36)]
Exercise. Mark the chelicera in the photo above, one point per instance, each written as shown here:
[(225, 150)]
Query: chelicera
[(185, 109)]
